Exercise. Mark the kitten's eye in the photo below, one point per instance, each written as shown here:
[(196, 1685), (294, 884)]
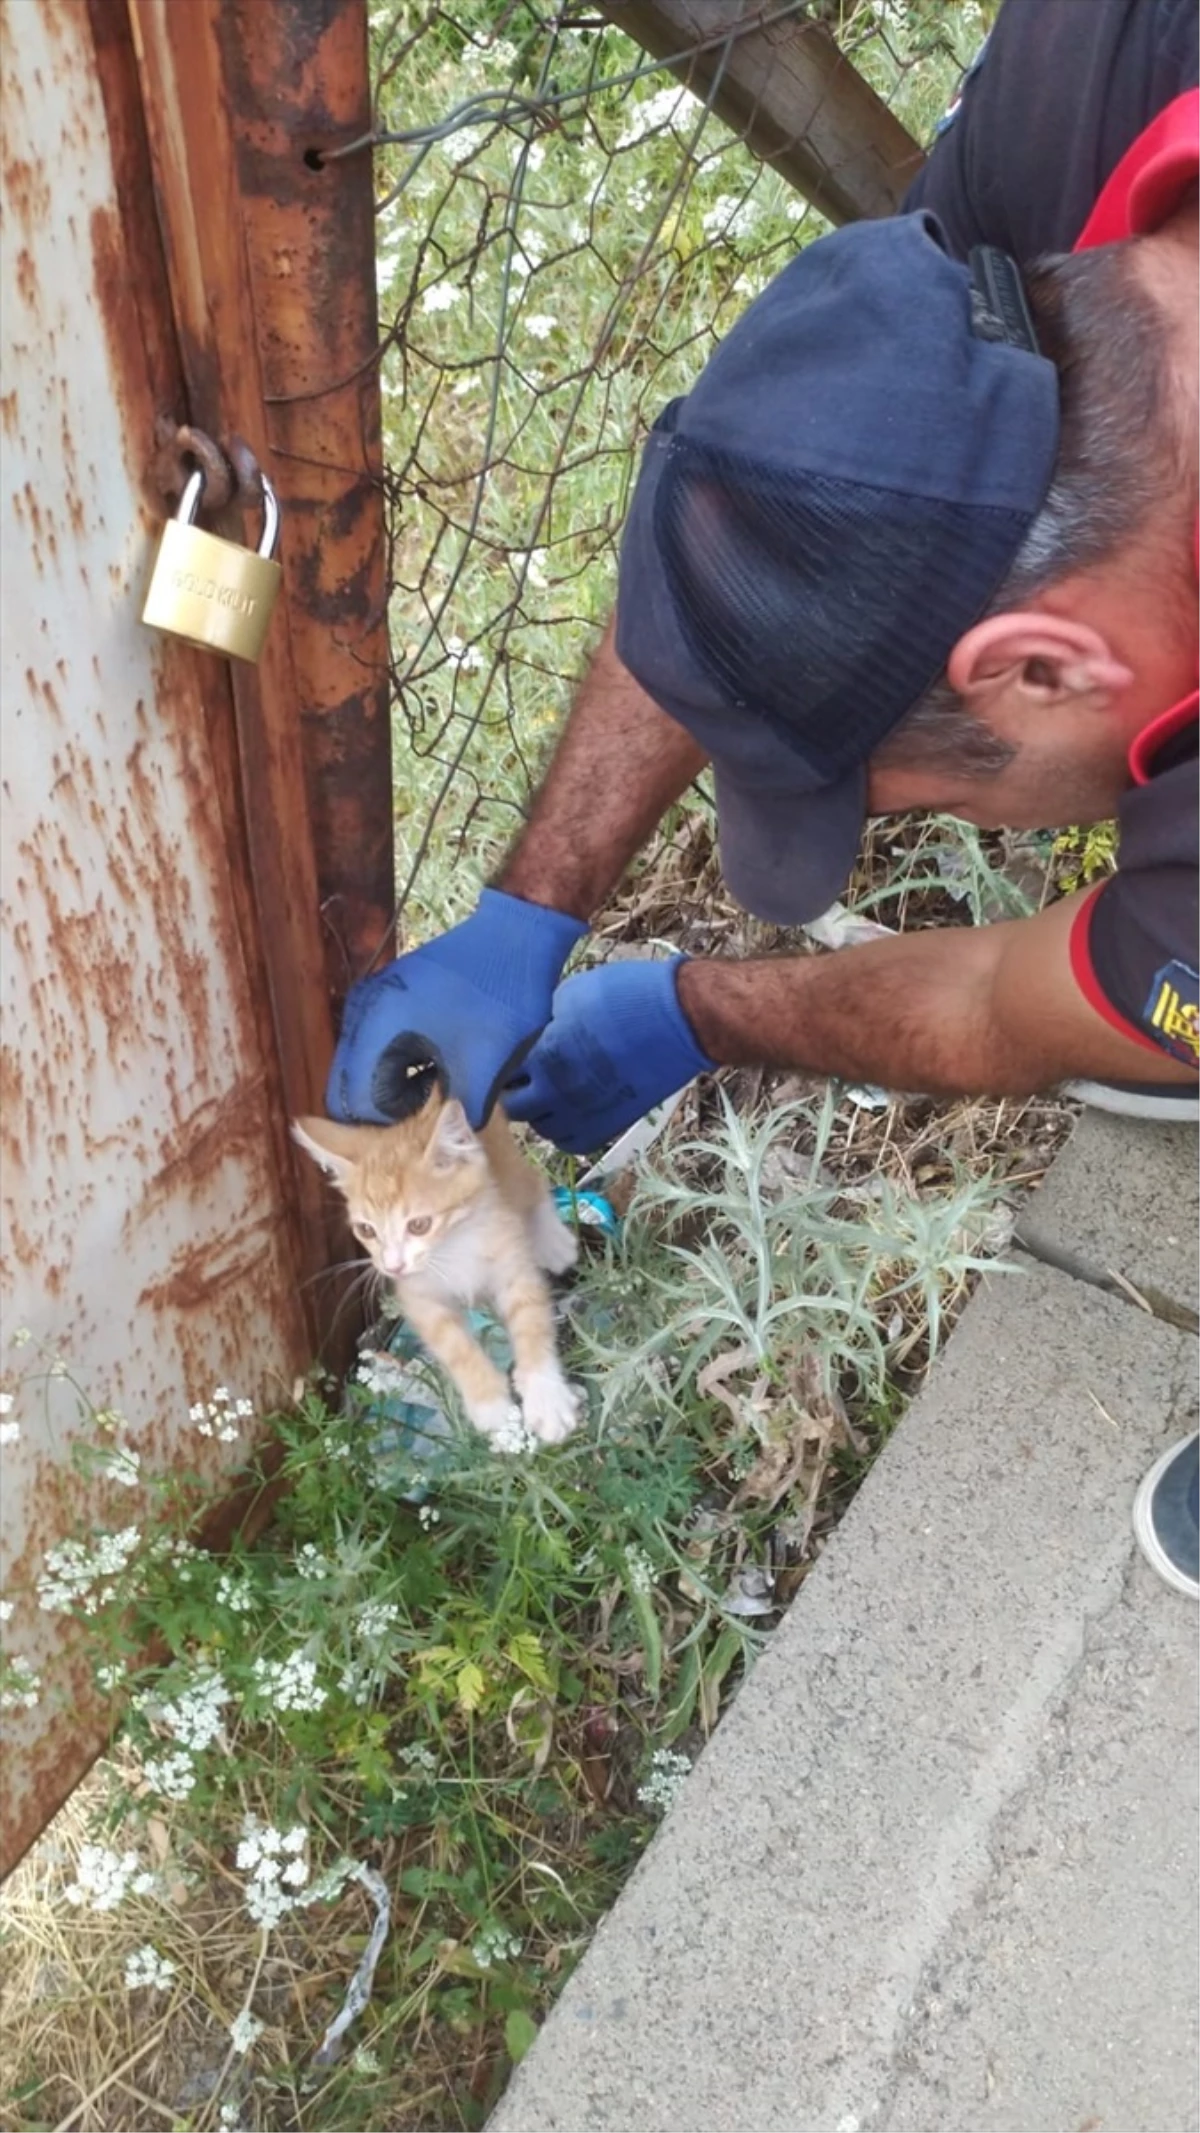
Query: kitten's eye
[(418, 1224), (366, 1232)]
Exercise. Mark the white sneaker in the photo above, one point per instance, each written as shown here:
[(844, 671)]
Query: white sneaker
[(1166, 1516), (1146, 1099)]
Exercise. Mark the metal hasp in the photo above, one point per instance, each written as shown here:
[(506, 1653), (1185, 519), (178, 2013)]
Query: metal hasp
[(210, 592), (778, 79)]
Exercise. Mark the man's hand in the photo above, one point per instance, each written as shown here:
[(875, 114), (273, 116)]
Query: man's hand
[(473, 1001), (618, 1043)]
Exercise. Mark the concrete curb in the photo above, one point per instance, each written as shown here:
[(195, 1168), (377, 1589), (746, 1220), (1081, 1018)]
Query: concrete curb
[(936, 1773)]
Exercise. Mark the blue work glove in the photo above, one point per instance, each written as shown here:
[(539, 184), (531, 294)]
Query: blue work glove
[(473, 1000), (617, 1044)]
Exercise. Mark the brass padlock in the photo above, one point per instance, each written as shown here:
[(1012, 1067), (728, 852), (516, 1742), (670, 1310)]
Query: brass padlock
[(215, 594)]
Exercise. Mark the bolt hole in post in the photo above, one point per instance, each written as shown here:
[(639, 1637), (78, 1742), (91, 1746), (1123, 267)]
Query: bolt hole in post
[(313, 159)]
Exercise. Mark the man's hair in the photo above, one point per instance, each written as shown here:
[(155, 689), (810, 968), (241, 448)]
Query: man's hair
[(1118, 469)]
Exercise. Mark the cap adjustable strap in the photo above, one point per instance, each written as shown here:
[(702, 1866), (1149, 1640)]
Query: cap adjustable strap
[(999, 306)]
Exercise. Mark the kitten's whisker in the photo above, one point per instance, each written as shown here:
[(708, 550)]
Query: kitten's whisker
[(340, 1266)]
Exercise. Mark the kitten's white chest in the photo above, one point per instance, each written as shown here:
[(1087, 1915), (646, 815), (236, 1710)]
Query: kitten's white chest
[(463, 1265)]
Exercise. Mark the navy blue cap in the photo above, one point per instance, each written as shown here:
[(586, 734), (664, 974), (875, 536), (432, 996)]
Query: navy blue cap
[(817, 523)]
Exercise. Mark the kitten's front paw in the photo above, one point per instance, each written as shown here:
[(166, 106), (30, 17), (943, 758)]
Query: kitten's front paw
[(554, 1242), (551, 1406)]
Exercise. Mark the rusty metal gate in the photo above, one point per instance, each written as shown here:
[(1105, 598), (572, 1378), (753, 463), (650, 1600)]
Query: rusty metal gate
[(197, 858)]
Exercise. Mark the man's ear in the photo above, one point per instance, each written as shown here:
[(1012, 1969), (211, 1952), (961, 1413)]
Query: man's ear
[(1052, 657)]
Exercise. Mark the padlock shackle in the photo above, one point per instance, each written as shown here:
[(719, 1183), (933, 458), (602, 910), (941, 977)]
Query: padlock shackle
[(269, 541), (193, 494), (193, 497)]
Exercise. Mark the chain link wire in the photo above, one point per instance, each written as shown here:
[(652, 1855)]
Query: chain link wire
[(565, 233)]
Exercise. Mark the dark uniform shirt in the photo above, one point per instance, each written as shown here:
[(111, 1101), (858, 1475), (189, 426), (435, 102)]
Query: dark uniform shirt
[(1073, 128)]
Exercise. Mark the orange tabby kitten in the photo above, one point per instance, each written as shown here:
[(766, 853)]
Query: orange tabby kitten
[(455, 1218)]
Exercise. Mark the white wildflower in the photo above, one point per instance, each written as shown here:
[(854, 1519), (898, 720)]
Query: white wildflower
[(6, 1610), (121, 1465), (58, 1366), (380, 1375), (24, 1682), (310, 1563), (290, 1684), (440, 296), (494, 1944), (76, 1576), (109, 1678), (9, 1432), (540, 324), (267, 1903), (172, 1775), (235, 1594), (245, 2030), (104, 1878), (730, 217), (147, 1967), (365, 2061), (376, 1617), (218, 1416), (467, 656), (261, 1854), (665, 1781), (428, 1516), (658, 110), (355, 1682), (194, 1718), (22, 1337), (512, 1437)]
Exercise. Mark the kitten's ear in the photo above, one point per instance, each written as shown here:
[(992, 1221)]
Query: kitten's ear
[(335, 1148), (452, 1141)]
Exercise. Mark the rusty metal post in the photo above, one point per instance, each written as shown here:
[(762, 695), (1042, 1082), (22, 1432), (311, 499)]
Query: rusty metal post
[(151, 1228), (189, 130), (297, 77)]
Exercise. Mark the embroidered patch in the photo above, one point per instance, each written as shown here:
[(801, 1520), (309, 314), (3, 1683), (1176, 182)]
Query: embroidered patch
[(1172, 1011)]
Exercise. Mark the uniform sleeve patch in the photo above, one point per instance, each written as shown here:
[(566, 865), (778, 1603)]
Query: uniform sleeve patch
[(1172, 1011)]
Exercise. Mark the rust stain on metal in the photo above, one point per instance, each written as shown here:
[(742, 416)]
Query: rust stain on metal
[(297, 73), (151, 1223)]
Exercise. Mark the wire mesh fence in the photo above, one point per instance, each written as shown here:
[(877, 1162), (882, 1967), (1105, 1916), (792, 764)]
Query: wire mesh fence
[(565, 232)]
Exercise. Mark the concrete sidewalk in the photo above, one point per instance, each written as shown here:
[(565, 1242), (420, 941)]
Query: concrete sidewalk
[(937, 1871)]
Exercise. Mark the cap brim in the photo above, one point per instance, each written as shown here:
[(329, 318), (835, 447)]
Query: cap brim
[(787, 856)]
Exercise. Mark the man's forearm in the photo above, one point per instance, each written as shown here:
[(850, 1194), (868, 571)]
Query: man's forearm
[(990, 1011), (909, 1013), (619, 765)]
